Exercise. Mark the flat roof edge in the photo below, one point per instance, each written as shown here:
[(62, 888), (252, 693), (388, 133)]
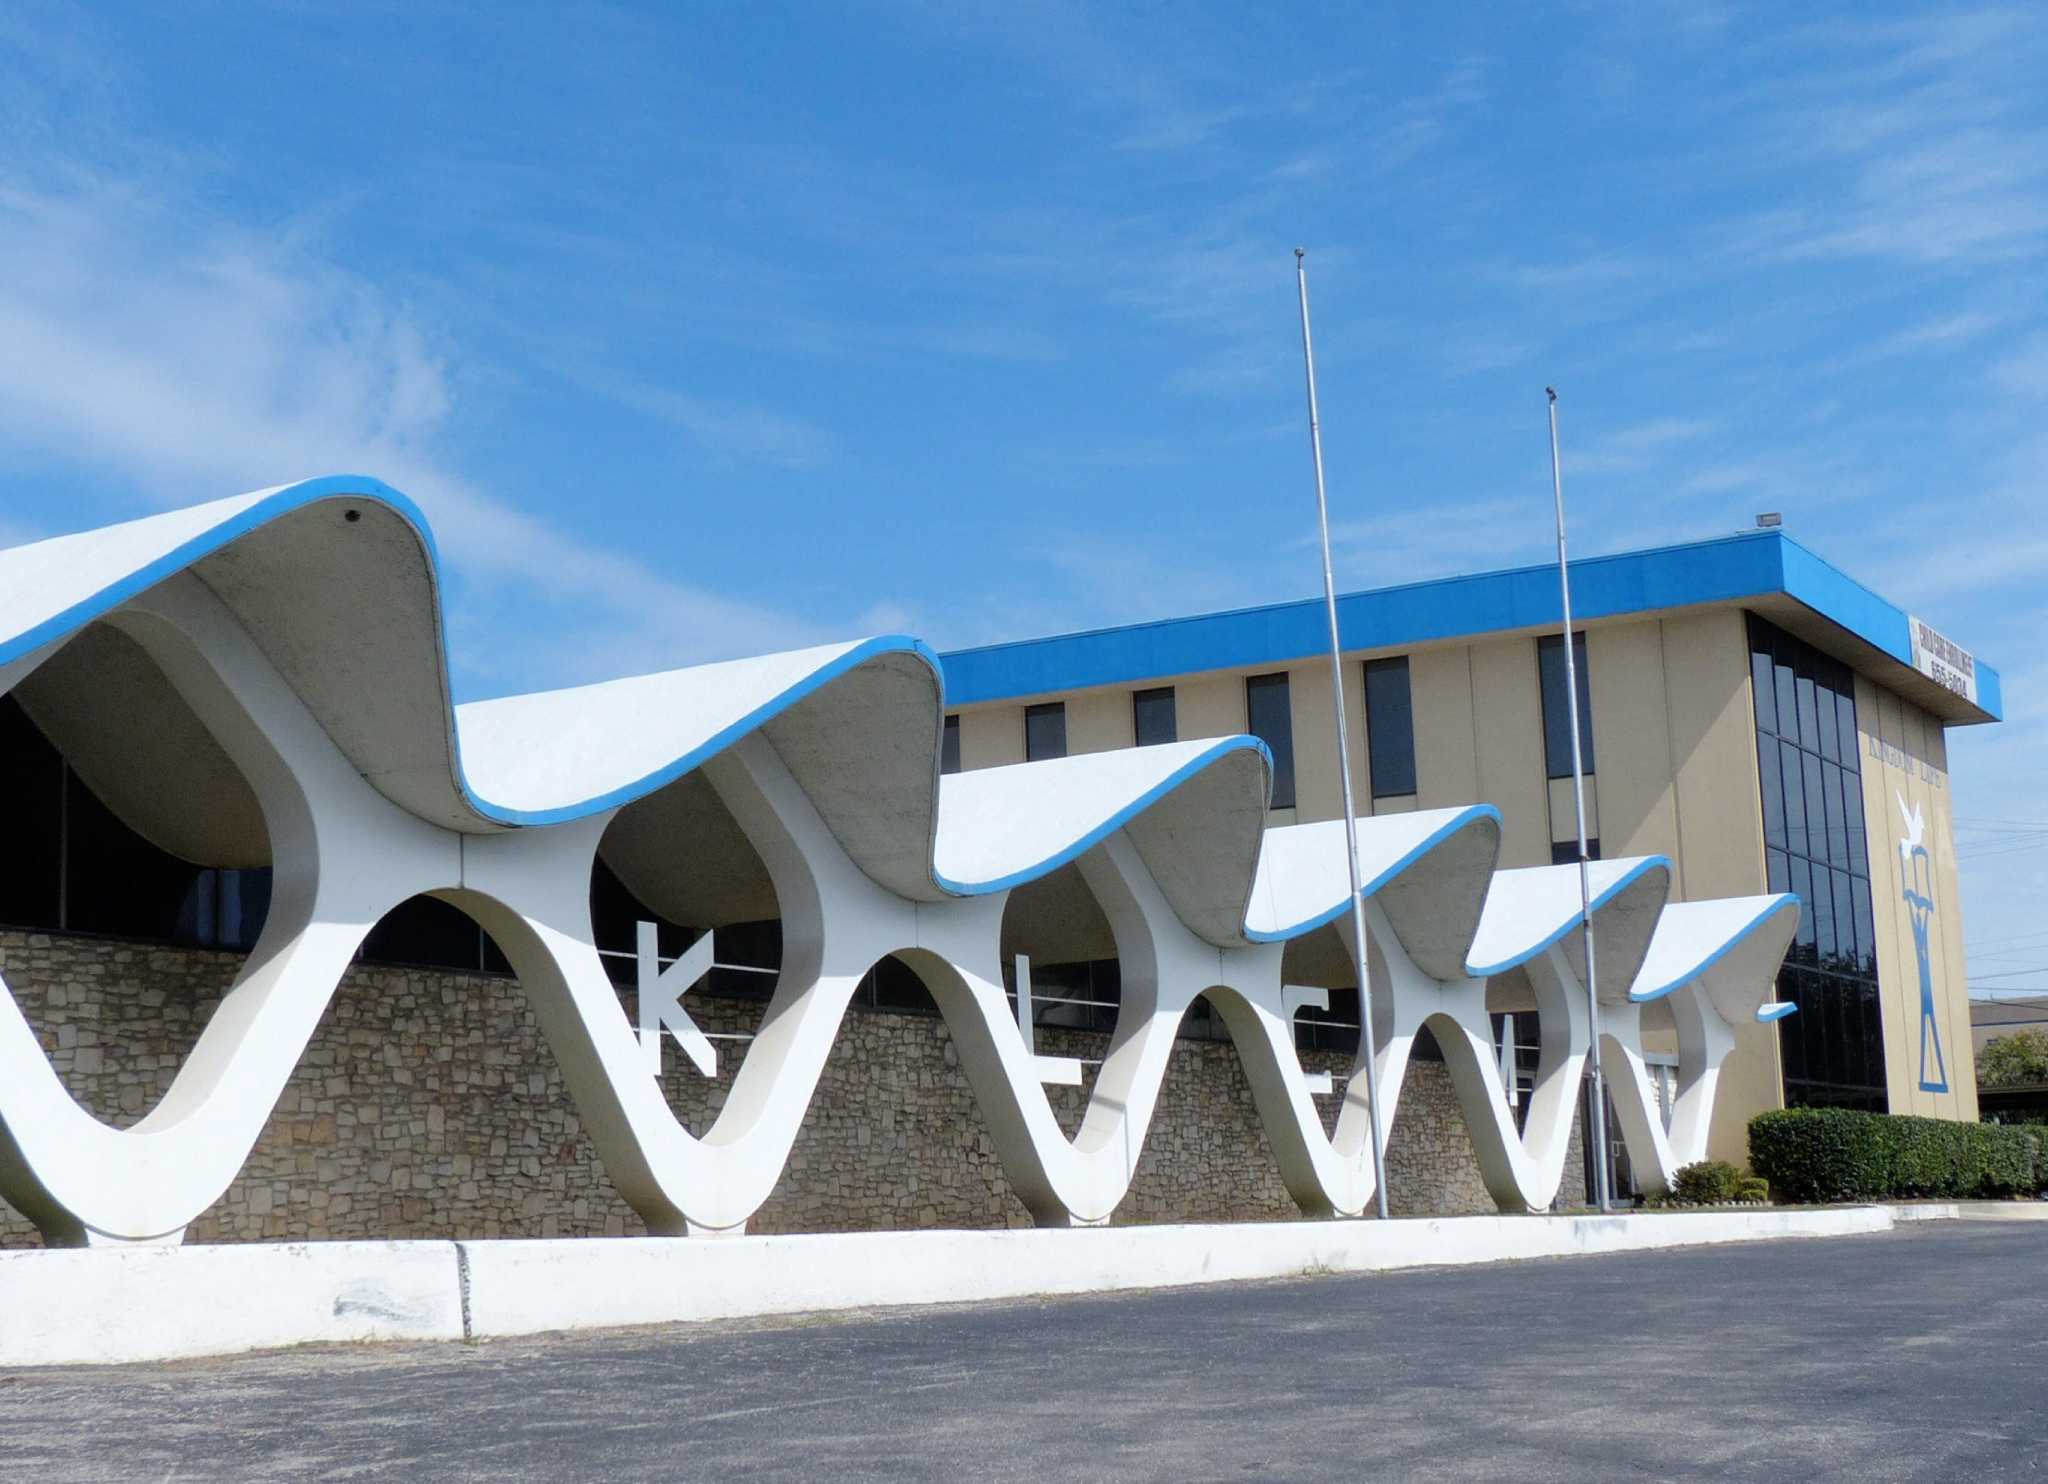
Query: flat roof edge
[(1726, 569)]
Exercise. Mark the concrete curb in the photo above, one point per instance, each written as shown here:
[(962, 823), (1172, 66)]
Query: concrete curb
[(1926, 1211), (116, 1305), (96, 1306)]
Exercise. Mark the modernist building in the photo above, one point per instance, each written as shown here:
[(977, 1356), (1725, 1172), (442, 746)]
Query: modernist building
[(291, 945), (1747, 710)]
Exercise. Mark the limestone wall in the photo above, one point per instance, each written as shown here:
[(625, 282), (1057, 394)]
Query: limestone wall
[(428, 1105)]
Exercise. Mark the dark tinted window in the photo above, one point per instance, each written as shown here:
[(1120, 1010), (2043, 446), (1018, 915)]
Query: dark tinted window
[(1045, 731), (1152, 716), (71, 865), (1270, 717), (430, 933), (949, 746), (29, 861), (1389, 728), (1566, 852), (1557, 726), (615, 918), (1833, 1049)]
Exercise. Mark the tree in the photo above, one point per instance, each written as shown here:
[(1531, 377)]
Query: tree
[(2017, 1060)]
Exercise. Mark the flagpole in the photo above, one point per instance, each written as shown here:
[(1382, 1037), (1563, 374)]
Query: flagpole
[(1369, 1052), (1571, 690)]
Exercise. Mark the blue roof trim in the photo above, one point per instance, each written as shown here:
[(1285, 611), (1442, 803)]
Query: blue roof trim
[(1830, 591), (1776, 1010), (1621, 884), (1990, 691), (1728, 568), (1465, 819), (1777, 905), (1207, 758)]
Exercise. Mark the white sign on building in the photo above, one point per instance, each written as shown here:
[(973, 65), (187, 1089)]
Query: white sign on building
[(1943, 661)]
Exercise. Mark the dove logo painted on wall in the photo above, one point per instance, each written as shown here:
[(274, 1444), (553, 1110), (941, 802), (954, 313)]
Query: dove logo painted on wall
[(1916, 886)]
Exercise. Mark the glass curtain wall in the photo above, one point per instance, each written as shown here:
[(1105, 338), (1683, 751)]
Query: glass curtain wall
[(1816, 846)]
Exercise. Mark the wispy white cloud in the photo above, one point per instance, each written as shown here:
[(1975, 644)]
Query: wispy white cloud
[(1917, 143), (1476, 353), (732, 431), (192, 359), (1634, 449), (1941, 333), (1419, 539), (1596, 274)]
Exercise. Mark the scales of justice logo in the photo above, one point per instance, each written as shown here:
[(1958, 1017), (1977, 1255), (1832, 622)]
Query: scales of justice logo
[(1917, 887)]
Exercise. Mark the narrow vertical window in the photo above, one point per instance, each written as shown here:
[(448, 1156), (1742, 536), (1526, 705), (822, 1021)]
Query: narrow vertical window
[(1270, 716), (1816, 847), (949, 746), (1152, 716), (1557, 722), (1045, 731), (1389, 728)]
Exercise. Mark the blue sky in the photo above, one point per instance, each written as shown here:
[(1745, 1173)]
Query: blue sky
[(704, 334)]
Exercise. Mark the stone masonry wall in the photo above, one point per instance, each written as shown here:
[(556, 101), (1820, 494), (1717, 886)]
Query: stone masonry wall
[(429, 1105)]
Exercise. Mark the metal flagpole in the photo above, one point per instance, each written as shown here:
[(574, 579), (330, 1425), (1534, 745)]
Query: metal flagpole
[(1370, 1053), (1571, 690)]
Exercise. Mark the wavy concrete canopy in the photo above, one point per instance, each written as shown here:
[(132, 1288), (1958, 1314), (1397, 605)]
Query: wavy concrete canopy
[(1711, 964), (857, 724), (262, 680), (1194, 810), (337, 581), (1529, 910), (1730, 948), (1428, 869), (334, 579)]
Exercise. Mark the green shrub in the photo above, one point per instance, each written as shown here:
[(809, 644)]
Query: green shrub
[(2019, 1059), (1832, 1154), (1753, 1190), (1708, 1183)]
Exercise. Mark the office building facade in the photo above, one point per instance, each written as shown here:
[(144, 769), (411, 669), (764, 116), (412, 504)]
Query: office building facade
[(1746, 709)]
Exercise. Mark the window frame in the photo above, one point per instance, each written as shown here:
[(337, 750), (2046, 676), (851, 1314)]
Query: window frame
[(1154, 695), (1381, 721), (1045, 711), (1279, 740)]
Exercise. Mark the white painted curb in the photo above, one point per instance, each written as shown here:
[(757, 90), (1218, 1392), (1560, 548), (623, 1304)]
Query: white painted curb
[(113, 1305), (520, 1287), (1928, 1210), (103, 1305)]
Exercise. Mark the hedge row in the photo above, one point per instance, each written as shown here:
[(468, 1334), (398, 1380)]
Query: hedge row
[(1832, 1154)]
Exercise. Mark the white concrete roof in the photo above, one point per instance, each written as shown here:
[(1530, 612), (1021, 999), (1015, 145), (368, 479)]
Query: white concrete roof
[(1527, 910), (337, 581), (1731, 946), (1195, 810), (1429, 868)]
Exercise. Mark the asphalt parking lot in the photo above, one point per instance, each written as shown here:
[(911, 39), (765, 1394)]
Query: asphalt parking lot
[(1922, 1353)]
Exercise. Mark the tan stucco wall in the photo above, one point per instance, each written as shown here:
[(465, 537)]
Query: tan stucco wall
[(1208, 705), (1099, 721), (1904, 759), (1507, 727), (991, 736), (1446, 740)]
